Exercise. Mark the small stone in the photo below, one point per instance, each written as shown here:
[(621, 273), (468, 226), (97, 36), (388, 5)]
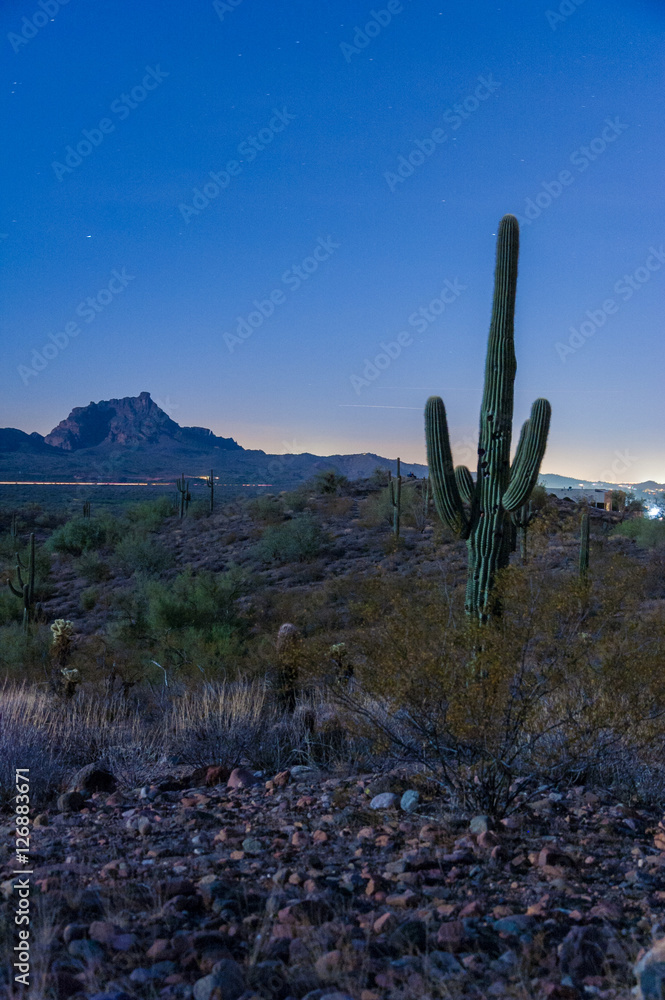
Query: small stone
[(103, 931), (479, 824), (93, 778), (144, 826), (384, 924), (409, 801), (226, 980), (513, 926), (71, 802), (327, 966), (252, 846), (41, 820), (89, 951), (450, 935), (443, 965), (241, 777), (217, 775), (385, 800)]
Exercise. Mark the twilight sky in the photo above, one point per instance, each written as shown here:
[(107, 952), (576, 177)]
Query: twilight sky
[(279, 218)]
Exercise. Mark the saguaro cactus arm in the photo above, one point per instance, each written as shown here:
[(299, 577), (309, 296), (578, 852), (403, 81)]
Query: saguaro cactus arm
[(447, 499), (465, 483), (529, 455)]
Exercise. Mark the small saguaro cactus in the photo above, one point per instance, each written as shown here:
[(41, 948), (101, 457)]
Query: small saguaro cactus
[(396, 500), (287, 646), (210, 483), (25, 590), (522, 519), (86, 508), (13, 527), (584, 546), (185, 495), (479, 511)]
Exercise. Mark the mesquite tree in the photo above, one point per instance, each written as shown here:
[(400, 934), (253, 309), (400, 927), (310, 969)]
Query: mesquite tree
[(479, 511)]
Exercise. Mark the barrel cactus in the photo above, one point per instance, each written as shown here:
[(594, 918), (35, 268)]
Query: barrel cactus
[(479, 510)]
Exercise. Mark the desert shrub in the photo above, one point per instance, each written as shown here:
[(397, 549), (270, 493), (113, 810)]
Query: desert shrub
[(648, 533), (198, 601), (24, 656), (89, 598), (150, 514), (294, 541), (295, 500), (268, 509), (329, 482), (543, 694), (82, 534), (93, 568), (139, 553), (11, 607)]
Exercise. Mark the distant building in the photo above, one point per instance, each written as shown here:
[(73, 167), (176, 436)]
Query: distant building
[(592, 497)]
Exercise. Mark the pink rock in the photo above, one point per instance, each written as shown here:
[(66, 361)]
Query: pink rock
[(241, 777)]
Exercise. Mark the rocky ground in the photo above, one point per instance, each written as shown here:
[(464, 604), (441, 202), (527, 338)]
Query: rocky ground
[(316, 885)]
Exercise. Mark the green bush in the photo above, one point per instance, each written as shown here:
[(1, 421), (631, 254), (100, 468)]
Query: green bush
[(269, 509), (195, 601), (150, 514), (649, 534), (295, 500), (11, 607), (138, 553), (294, 541), (329, 482), (93, 568), (82, 534), (89, 598)]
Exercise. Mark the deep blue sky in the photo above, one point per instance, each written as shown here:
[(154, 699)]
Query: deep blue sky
[(219, 76)]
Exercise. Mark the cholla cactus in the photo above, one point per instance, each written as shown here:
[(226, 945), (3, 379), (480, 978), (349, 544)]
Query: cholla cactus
[(63, 633), (61, 645), (339, 654)]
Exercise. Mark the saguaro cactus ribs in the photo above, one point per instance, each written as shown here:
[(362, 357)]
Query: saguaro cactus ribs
[(500, 488)]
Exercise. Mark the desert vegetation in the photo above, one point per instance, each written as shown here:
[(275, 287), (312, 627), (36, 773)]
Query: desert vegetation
[(394, 737)]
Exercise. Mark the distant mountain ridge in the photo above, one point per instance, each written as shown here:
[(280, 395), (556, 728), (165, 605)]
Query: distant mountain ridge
[(128, 421), (130, 438)]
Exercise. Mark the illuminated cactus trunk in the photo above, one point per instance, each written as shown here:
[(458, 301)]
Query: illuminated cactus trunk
[(500, 488)]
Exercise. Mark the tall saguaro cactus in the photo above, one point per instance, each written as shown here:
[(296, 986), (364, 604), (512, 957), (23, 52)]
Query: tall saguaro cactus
[(25, 590), (185, 495), (479, 511), (210, 483), (396, 499)]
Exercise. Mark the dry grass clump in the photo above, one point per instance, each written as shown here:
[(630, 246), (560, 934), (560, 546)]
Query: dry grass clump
[(141, 736)]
